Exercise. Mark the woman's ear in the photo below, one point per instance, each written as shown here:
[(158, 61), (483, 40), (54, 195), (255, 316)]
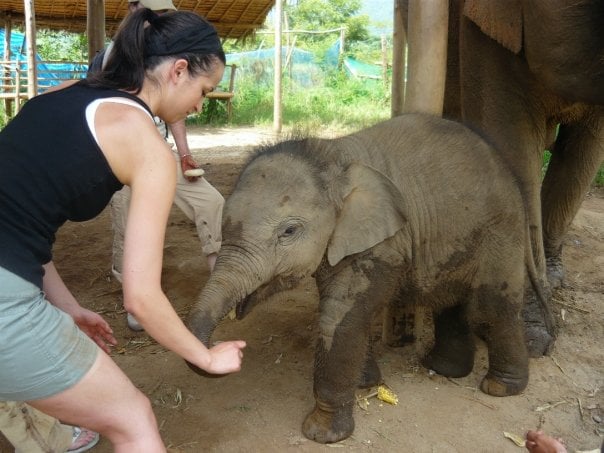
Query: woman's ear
[(179, 69)]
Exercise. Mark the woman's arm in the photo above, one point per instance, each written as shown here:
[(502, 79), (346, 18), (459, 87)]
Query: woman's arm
[(141, 158), (90, 322)]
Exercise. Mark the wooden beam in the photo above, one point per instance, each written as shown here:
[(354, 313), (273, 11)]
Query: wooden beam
[(30, 38), (277, 119), (399, 49), (95, 27), (8, 29), (427, 35)]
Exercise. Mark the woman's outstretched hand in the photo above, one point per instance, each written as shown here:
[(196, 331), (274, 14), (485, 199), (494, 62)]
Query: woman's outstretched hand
[(226, 357)]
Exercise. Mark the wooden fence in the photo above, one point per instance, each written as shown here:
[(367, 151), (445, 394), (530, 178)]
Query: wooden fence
[(14, 82)]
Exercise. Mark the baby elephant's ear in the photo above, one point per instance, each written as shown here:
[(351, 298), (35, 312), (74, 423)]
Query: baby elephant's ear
[(372, 212)]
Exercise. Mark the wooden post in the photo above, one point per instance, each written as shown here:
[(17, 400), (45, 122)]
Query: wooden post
[(95, 26), (427, 35), (384, 61), (30, 38), (342, 44), (399, 51), (8, 27), (17, 87), (277, 119)]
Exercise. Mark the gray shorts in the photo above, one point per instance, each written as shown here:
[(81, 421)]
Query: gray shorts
[(42, 351)]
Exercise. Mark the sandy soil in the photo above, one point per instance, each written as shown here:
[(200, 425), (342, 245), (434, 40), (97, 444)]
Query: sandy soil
[(262, 407)]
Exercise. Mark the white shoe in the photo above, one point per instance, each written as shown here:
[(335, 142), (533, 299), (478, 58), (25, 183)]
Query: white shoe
[(116, 274), (133, 323)]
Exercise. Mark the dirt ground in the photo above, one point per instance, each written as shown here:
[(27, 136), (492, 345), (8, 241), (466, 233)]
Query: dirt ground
[(262, 407)]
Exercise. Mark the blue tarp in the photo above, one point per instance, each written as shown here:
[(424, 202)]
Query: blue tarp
[(306, 67), (48, 71)]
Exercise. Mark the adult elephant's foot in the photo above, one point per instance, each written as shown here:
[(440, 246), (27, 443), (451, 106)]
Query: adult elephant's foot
[(327, 425), (539, 340), (503, 385), (555, 271)]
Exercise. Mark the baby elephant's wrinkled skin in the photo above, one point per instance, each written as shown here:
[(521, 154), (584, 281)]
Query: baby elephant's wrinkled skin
[(416, 209)]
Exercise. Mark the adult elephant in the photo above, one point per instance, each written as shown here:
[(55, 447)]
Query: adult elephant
[(516, 70)]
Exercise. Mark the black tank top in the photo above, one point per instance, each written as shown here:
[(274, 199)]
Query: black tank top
[(51, 171)]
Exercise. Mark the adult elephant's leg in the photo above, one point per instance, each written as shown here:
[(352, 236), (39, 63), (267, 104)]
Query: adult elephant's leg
[(576, 158), (501, 99)]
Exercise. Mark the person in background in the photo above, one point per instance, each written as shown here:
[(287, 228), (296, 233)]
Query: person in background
[(32, 431), (539, 442), (54, 351), (195, 196)]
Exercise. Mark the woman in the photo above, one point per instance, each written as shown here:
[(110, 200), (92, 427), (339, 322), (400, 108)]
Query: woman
[(61, 158)]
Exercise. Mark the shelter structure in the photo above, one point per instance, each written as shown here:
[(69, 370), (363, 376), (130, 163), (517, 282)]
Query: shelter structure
[(234, 19), (99, 19)]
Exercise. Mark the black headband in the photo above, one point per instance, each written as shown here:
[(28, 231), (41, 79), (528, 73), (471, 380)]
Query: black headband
[(189, 40)]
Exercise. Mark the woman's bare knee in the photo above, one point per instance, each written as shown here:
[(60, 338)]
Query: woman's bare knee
[(106, 401)]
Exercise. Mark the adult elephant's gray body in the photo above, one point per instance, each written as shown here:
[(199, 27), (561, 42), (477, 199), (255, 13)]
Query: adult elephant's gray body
[(516, 69), (416, 209)]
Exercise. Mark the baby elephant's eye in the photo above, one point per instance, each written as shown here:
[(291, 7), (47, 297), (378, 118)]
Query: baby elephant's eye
[(289, 231)]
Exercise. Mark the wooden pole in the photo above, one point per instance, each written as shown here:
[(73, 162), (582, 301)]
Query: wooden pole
[(342, 44), (30, 38), (277, 119), (399, 50), (95, 26), (8, 28), (427, 35), (384, 60)]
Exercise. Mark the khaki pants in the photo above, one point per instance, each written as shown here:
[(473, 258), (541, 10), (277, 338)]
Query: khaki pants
[(32, 431), (200, 202)]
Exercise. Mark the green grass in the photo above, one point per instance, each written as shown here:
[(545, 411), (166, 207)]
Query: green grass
[(336, 102)]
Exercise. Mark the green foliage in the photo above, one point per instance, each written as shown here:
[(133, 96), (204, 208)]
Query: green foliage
[(3, 118), (61, 45), (327, 15), (599, 179), (339, 101)]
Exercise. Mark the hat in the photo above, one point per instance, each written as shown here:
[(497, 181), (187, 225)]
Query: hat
[(156, 5)]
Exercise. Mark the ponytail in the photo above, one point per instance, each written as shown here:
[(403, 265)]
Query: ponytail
[(145, 39)]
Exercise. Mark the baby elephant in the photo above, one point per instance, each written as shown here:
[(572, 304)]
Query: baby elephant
[(416, 209)]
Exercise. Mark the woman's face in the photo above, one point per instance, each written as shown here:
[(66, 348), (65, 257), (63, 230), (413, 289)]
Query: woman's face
[(188, 92)]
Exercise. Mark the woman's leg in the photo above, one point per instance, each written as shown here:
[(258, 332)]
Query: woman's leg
[(106, 401)]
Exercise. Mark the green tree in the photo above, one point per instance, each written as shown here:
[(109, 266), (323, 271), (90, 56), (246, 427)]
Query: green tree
[(328, 14), (61, 45)]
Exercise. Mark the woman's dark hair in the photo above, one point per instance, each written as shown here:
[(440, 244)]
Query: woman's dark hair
[(145, 39)]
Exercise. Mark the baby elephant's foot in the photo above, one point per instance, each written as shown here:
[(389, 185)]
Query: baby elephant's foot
[(328, 426), (371, 375), (447, 366), (503, 386)]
